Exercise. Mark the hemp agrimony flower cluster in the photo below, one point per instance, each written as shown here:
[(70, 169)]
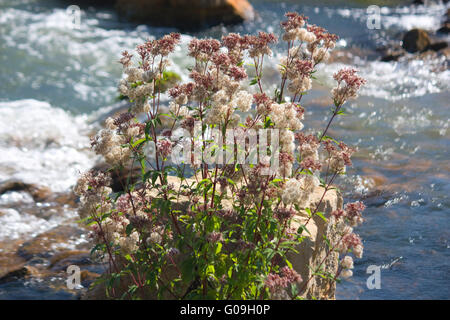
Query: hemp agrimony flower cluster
[(196, 229)]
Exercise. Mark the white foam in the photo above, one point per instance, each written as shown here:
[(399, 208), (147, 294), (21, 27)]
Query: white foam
[(83, 61), (15, 197), (404, 18), (16, 225), (395, 81), (43, 145)]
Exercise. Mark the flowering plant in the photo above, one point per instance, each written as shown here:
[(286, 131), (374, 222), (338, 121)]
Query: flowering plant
[(199, 226)]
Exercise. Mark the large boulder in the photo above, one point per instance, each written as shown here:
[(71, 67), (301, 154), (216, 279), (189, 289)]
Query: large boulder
[(185, 14), (416, 40), (313, 252)]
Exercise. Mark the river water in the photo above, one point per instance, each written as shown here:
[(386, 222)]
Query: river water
[(56, 81)]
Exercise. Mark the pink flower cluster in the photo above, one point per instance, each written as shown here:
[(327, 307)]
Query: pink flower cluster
[(352, 213), (338, 157), (294, 21), (277, 283), (353, 242), (348, 85), (163, 46)]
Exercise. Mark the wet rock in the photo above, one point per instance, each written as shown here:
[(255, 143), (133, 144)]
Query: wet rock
[(392, 51), (424, 2), (39, 193), (63, 260), (18, 274), (87, 277), (47, 244), (416, 40), (444, 29), (65, 199), (445, 52), (436, 46), (393, 56), (185, 14), (373, 179), (9, 260)]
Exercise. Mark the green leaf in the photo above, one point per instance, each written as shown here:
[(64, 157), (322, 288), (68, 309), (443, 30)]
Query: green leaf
[(219, 247), (138, 142), (289, 264), (301, 229), (308, 211), (129, 229), (210, 270), (320, 214)]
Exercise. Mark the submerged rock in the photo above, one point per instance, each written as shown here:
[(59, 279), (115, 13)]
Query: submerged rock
[(185, 14), (39, 193), (18, 274), (47, 244), (61, 261)]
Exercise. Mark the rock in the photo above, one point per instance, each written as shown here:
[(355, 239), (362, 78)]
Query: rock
[(87, 277), (39, 193), (119, 176), (416, 40), (393, 56), (444, 29), (9, 260), (65, 199), (18, 274), (436, 46), (185, 14), (47, 244), (445, 52), (424, 2), (392, 51), (64, 259), (312, 251)]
